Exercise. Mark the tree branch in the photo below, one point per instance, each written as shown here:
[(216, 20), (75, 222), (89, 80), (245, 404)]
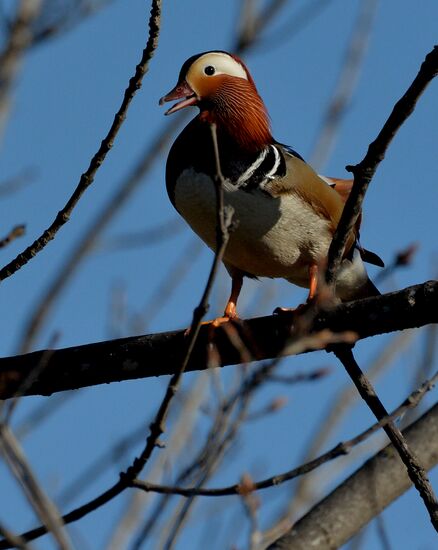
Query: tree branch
[(19, 39), (340, 449), (159, 354), (17, 231), (415, 469), (224, 220), (361, 497), (87, 177), (365, 170)]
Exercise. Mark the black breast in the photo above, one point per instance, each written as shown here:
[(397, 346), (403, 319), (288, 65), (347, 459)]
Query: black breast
[(193, 149)]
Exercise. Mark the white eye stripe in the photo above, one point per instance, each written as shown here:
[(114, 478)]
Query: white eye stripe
[(221, 62)]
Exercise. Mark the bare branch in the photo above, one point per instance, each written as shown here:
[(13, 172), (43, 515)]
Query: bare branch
[(14, 233), (341, 449), (16, 182), (63, 17), (294, 25), (91, 235), (364, 171), (87, 177), (347, 82), (124, 190), (335, 411), (20, 38), (402, 258), (415, 470), (139, 239), (13, 540), (333, 521), (41, 503), (224, 220), (264, 337)]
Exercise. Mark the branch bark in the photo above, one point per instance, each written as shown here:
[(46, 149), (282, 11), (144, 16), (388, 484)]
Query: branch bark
[(160, 354)]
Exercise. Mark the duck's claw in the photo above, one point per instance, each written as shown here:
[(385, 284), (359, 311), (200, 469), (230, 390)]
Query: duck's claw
[(215, 323)]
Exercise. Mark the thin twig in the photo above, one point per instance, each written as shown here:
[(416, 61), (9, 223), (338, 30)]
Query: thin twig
[(347, 82), (215, 448), (167, 286), (224, 216), (185, 415), (252, 24), (15, 541), (41, 503), (8, 407), (15, 183), (402, 258), (14, 233), (100, 221), (65, 20), (20, 38), (415, 470), (221, 435), (140, 239), (294, 25), (124, 190), (364, 171), (251, 506), (425, 366), (157, 426), (38, 414), (218, 440), (340, 449), (87, 177), (331, 417), (300, 377), (380, 481)]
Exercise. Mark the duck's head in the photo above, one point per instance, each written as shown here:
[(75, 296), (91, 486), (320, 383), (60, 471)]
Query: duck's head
[(221, 86)]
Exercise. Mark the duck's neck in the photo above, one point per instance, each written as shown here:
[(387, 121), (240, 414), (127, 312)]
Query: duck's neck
[(238, 110)]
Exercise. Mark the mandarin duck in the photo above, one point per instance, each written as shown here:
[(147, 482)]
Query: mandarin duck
[(286, 214)]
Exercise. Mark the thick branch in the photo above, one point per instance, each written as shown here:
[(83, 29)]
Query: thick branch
[(160, 354), (360, 498)]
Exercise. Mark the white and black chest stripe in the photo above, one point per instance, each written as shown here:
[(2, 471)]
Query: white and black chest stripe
[(269, 164)]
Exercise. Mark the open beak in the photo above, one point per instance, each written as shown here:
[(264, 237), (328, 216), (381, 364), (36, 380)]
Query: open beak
[(181, 91)]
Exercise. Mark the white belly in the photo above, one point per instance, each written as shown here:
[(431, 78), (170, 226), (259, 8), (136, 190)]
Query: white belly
[(275, 237)]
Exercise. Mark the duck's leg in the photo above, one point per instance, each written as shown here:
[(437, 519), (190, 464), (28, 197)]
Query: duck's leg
[(313, 288), (236, 287), (313, 282), (230, 312)]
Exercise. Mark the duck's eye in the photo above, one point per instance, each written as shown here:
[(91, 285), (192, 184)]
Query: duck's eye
[(209, 70)]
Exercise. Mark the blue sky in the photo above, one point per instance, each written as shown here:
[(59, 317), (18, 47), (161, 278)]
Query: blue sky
[(66, 96)]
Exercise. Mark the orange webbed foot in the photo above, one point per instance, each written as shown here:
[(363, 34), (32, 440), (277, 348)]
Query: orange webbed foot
[(224, 319), (230, 313)]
